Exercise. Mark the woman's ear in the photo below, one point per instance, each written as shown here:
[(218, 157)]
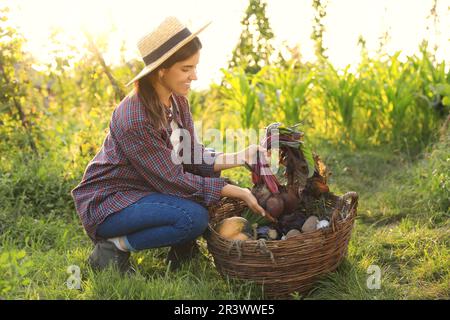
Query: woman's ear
[(161, 73)]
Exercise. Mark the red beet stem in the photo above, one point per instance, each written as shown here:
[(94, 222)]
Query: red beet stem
[(261, 173)]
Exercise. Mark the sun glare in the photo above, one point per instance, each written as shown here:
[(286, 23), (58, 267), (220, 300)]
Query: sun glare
[(123, 22)]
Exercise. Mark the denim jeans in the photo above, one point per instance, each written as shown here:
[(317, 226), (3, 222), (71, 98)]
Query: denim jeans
[(156, 220)]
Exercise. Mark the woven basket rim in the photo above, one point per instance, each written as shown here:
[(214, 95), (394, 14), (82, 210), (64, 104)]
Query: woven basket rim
[(302, 236)]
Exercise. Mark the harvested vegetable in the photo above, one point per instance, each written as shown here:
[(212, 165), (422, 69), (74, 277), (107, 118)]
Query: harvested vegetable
[(254, 218), (322, 224), (295, 204), (230, 228), (304, 171), (275, 205), (266, 233), (291, 221), (239, 236), (310, 224), (292, 233)]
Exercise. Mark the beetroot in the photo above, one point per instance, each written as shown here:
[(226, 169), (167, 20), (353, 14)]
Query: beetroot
[(290, 221), (261, 193), (291, 200), (305, 174), (262, 175), (275, 206)]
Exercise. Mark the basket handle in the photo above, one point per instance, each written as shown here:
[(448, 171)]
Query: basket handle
[(342, 204)]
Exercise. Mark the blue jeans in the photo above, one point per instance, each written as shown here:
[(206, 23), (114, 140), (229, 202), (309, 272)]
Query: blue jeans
[(156, 220)]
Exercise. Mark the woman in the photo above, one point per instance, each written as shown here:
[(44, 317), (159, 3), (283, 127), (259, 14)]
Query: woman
[(133, 195)]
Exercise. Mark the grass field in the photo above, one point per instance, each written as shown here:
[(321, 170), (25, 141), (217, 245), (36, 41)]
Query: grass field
[(402, 227)]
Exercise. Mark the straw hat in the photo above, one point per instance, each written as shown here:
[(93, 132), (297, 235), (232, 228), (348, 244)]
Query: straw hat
[(157, 46)]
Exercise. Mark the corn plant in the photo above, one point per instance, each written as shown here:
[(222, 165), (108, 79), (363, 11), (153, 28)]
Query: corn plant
[(240, 97), (287, 92), (435, 81), (340, 94), (405, 117)]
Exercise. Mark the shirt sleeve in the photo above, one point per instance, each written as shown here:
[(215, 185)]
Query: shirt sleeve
[(206, 167), (152, 158)]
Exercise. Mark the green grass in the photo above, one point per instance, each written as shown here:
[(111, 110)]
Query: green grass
[(402, 227)]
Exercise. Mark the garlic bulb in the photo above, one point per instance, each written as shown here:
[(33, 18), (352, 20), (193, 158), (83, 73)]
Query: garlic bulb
[(322, 224)]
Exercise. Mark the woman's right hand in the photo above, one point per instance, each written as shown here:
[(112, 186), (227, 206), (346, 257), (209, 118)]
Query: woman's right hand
[(247, 196), (253, 204)]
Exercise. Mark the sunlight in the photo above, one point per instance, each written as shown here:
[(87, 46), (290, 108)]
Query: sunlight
[(120, 22), (90, 170)]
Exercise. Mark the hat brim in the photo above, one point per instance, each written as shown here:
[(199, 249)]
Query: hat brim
[(157, 63)]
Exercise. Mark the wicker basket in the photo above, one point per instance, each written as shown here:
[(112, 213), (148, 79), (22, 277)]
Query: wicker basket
[(283, 267)]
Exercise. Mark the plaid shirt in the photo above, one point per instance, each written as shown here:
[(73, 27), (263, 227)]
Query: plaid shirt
[(135, 160)]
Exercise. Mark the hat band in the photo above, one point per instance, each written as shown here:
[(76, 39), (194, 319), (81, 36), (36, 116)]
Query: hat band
[(166, 46)]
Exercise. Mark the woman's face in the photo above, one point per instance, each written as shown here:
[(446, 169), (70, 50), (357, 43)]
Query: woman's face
[(178, 77)]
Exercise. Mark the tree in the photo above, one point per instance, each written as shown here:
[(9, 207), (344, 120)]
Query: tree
[(118, 89), (254, 48), (433, 18), (13, 77), (320, 6)]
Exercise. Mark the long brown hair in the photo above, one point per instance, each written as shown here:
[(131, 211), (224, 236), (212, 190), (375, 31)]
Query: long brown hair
[(147, 93)]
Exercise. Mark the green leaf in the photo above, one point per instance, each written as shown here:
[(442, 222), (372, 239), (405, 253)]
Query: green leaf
[(307, 153), (255, 218)]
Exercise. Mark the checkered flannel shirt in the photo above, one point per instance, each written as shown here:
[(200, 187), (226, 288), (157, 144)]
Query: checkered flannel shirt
[(135, 160)]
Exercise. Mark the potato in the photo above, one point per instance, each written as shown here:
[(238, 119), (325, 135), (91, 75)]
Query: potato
[(292, 233), (310, 224)]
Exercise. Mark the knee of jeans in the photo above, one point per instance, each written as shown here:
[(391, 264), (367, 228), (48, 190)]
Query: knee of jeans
[(199, 221)]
